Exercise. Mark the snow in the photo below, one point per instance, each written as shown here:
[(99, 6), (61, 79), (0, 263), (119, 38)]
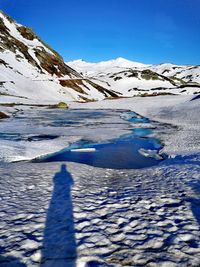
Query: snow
[(127, 217), (104, 66), (178, 111), (121, 218), (150, 153), (117, 74), (187, 72), (16, 34)]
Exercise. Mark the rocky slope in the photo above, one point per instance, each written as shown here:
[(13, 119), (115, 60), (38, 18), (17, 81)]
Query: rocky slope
[(132, 78), (31, 71)]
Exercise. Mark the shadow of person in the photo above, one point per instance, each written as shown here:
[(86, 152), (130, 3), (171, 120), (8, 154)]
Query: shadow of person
[(59, 246)]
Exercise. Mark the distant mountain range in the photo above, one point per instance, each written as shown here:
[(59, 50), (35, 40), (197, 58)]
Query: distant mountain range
[(31, 71), (129, 78)]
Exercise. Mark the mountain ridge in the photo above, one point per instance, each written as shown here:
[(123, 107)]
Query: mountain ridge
[(31, 70), (130, 78)]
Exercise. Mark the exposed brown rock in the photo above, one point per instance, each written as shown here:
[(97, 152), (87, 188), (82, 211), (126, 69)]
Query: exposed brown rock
[(27, 33), (3, 115), (47, 60), (74, 84), (53, 64), (103, 90), (50, 61)]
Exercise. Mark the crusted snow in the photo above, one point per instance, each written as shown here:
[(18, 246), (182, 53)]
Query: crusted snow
[(121, 218)]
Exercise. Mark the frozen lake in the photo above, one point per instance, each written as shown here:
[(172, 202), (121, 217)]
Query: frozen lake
[(108, 139), (128, 151)]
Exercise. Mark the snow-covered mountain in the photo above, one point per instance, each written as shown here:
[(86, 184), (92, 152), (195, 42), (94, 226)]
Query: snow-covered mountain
[(31, 71), (129, 78)]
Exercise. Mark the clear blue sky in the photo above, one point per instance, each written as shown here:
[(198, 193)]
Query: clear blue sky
[(149, 31)]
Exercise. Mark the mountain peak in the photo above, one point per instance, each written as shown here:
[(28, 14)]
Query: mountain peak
[(119, 62), (123, 62), (29, 68)]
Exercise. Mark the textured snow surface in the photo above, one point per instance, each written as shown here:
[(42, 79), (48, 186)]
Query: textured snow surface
[(114, 218)]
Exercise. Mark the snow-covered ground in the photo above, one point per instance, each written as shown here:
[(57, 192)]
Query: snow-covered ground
[(79, 215), (179, 111), (122, 218)]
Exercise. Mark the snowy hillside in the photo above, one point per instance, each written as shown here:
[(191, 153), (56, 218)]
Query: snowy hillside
[(31, 71), (132, 78)]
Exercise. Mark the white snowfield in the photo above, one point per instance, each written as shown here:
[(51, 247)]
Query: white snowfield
[(130, 78), (104, 66), (182, 115)]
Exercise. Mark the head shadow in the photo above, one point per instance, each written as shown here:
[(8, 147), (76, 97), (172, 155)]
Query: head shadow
[(59, 245)]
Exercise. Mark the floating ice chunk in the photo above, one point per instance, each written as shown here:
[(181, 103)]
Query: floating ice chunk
[(148, 153), (83, 150), (172, 156)]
